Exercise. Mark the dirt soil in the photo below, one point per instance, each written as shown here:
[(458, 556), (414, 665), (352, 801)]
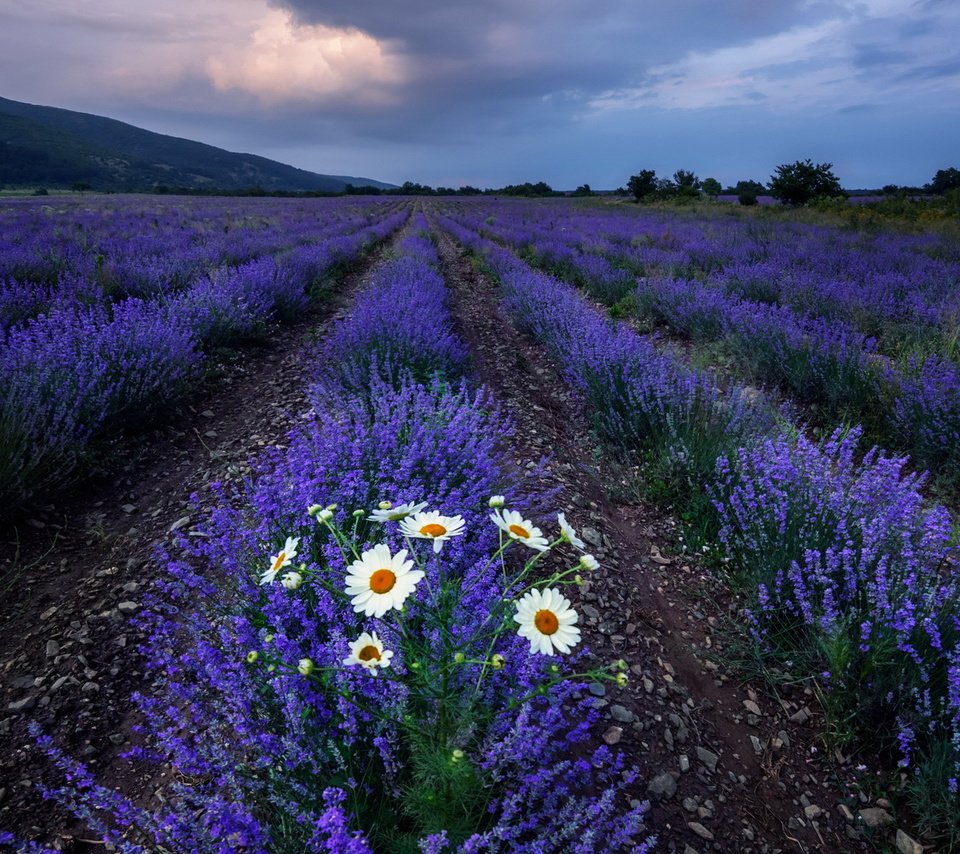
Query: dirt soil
[(75, 572), (727, 766)]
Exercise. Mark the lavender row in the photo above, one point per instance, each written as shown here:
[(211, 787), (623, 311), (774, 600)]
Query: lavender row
[(823, 363), (898, 288), (274, 742), (852, 577), (78, 375), (108, 250)]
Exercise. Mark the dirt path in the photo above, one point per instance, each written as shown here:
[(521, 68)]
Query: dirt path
[(68, 652), (726, 766)]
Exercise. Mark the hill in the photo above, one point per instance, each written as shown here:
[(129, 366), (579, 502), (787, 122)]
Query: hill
[(48, 146)]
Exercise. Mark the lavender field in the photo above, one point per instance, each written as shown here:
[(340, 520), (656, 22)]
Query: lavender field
[(603, 528)]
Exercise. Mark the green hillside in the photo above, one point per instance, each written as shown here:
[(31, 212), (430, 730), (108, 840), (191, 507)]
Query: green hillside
[(47, 146)]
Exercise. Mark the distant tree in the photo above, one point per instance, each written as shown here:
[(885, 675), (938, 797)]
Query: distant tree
[(621, 191), (797, 183), (642, 185), (754, 186), (583, 190), (747, 198), (686, 183), (41, 191), (945, 180), (541, 188), (80, 186), (467, 190), (711, 186)]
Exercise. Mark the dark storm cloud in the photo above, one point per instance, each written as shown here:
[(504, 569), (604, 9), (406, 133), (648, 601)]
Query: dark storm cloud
[(493, 91)]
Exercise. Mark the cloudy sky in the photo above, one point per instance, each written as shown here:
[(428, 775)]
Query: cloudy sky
[(489, 92)]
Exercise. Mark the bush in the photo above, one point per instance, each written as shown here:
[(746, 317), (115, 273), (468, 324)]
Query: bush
[(797, 183)]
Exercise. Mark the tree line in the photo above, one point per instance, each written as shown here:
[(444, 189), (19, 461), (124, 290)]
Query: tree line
[(794, 183)]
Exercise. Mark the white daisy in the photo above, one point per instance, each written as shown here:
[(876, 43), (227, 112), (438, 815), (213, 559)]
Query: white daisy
[(291, 580), (496, 502), (305, 666), (389, 513), (432, 526), (569, 534), (379, 581), (280, 560), (547, 621), (520, 529), (589, 562), (367, 651)]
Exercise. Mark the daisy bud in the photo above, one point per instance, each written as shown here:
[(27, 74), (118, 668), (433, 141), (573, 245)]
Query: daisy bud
[(415, 665), (496, 501), (268, 638), (314, 509), (578, 580), (459, 658), (589, 562), (292, 580), (621, 664), (497, 661), (271, 668), (622, 680), (554, 668), (359, 513), (457, 756), (252, 656), (384, 505), (305, 667), (324, 515)]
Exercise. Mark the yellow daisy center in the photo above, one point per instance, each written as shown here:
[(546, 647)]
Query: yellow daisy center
[(546, 622), (519, 531), (278, 561), (382, 581), (369, 653), (434, 529)]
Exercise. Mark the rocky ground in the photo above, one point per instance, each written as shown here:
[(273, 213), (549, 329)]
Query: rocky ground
[(74, 573), (727, 765)]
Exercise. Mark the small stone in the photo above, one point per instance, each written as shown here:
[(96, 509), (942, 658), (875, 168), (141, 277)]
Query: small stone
[(128, 508), (182, 522), (46, 615), (757, 745), (801, 716), (782, 735), (906, 845), (23, 705), (845, 812), (662, 787), (128, 607), (690, 805), (53, 649), (875, 817), (613, 735), (813, 811), (708, 758), (752, 707), (598, 689), (684, 761), (621, 713), (700, 830), (90, 687), (689, 849), (117, 738)]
